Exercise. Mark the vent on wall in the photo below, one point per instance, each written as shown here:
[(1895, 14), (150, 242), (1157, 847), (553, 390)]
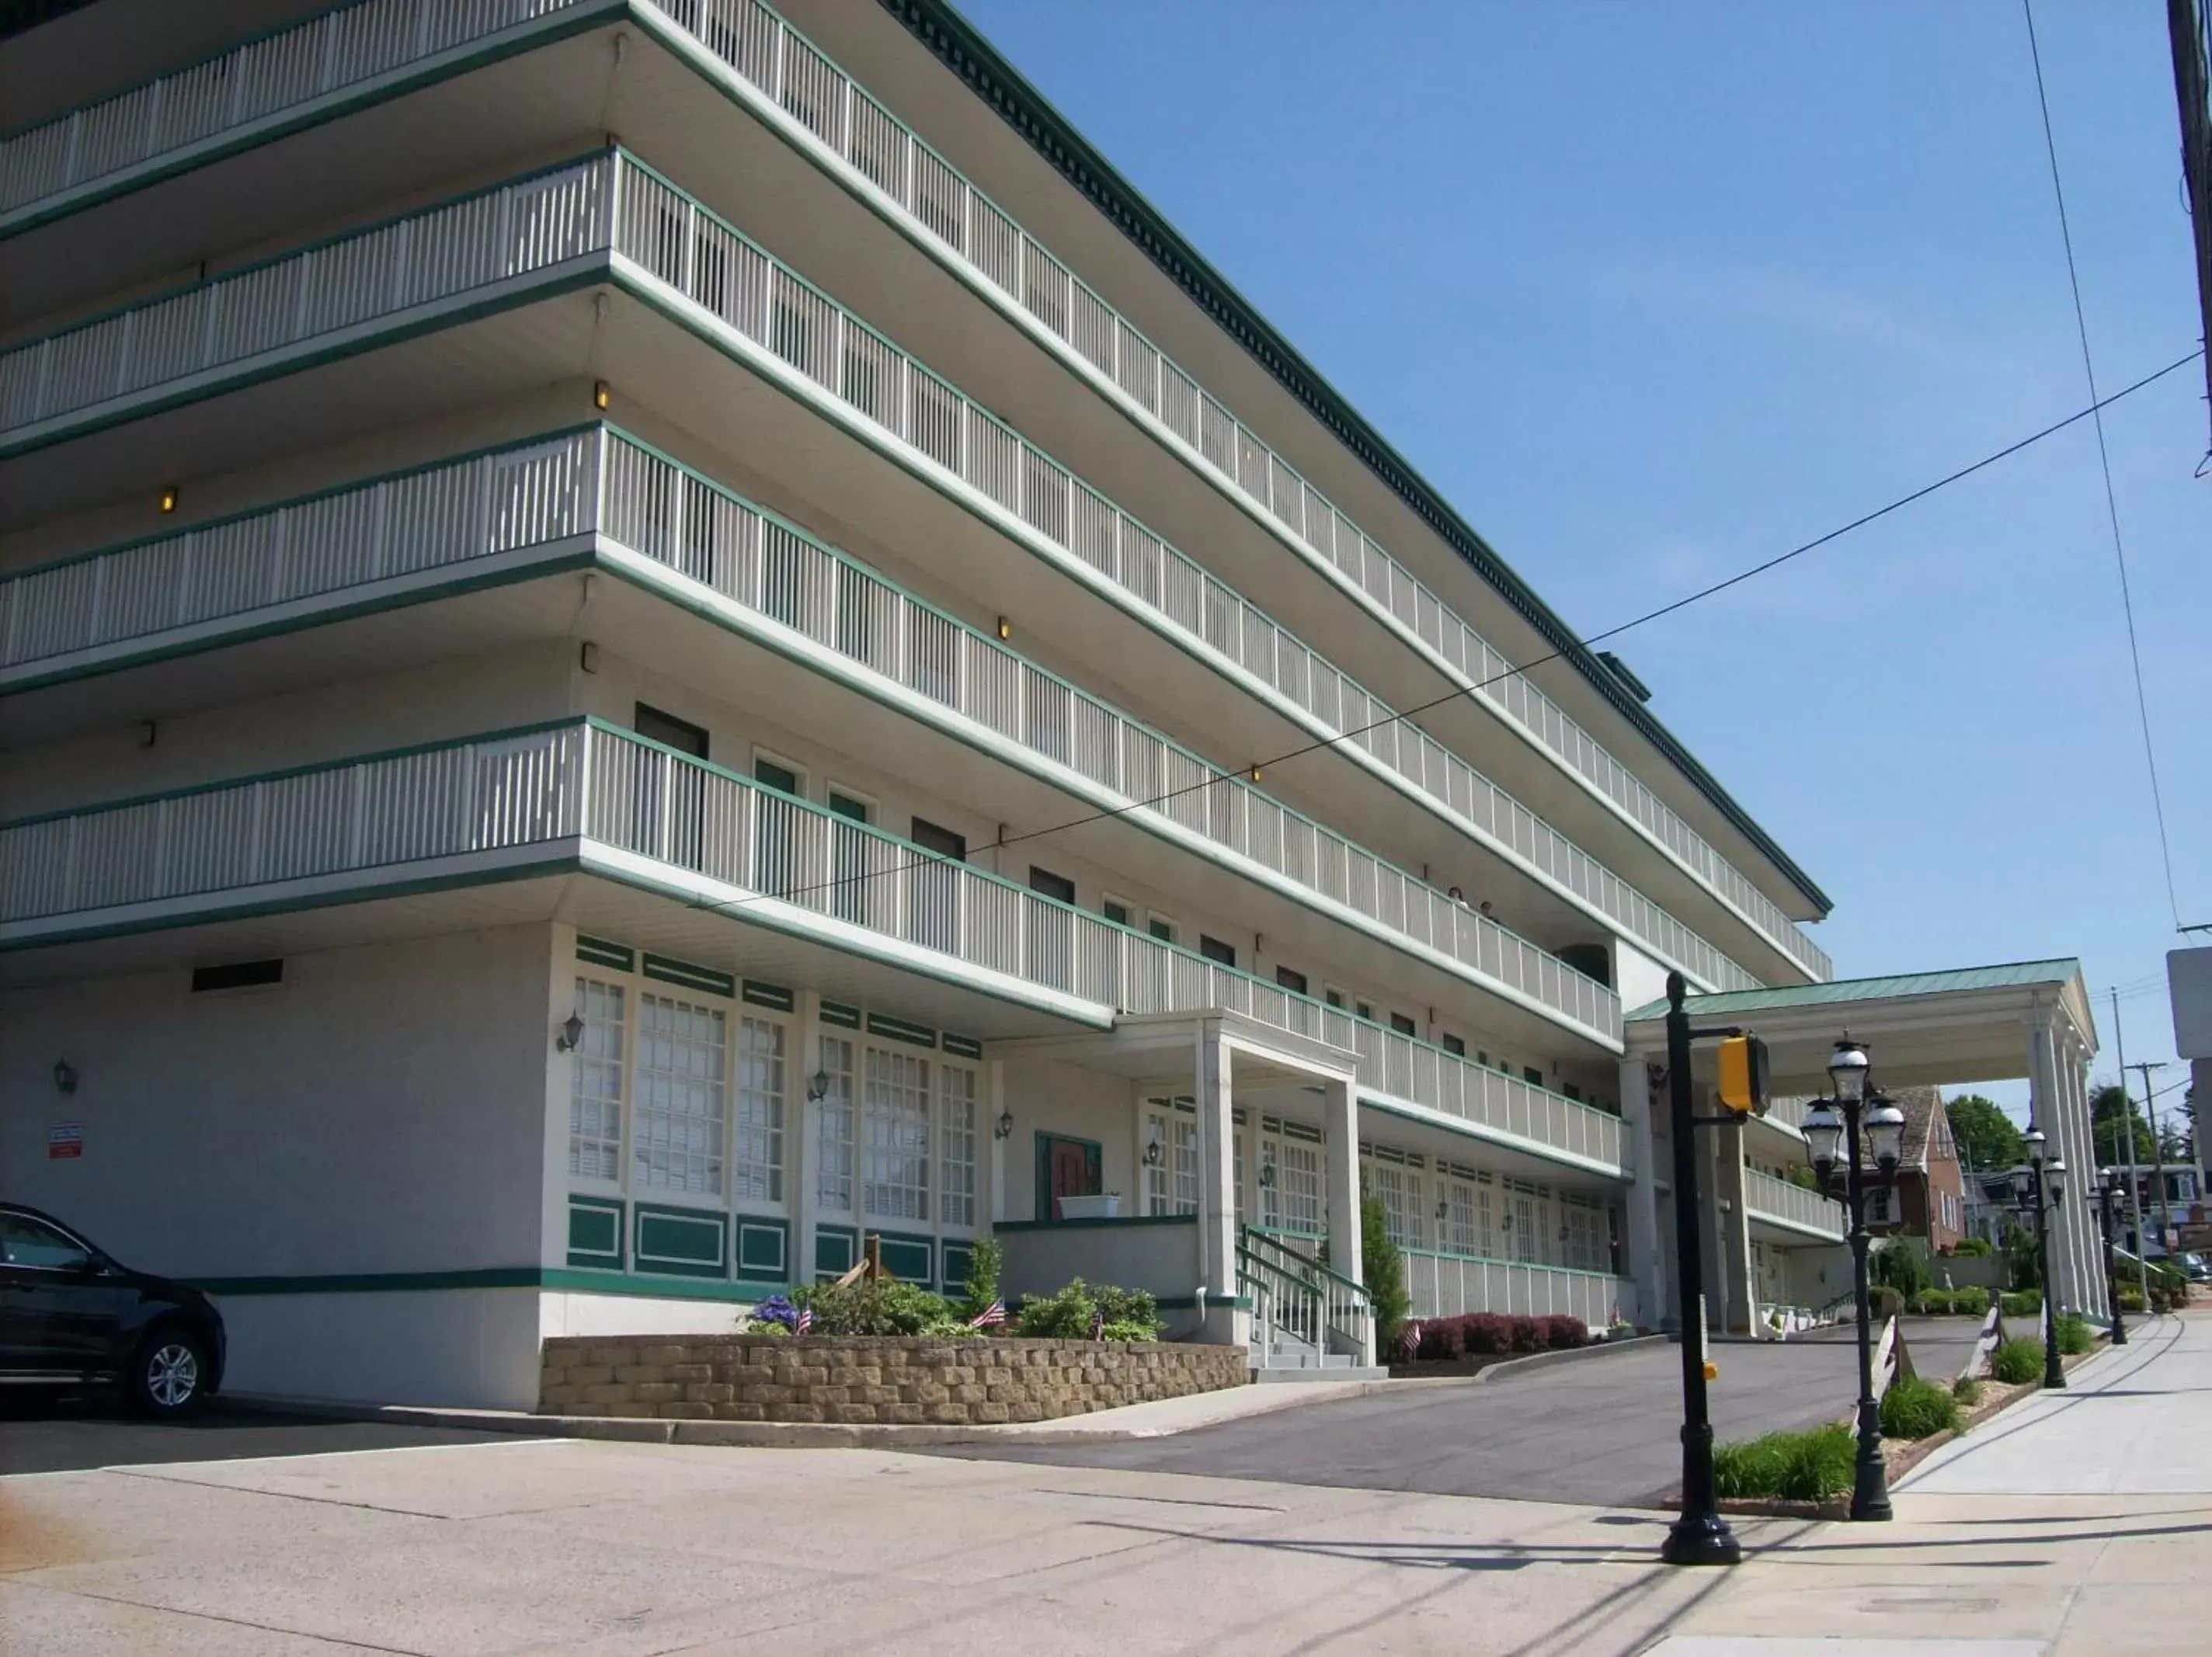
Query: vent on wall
[(237, 975)]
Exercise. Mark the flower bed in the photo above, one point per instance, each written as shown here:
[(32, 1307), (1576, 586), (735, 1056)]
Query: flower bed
[(871, 1379)]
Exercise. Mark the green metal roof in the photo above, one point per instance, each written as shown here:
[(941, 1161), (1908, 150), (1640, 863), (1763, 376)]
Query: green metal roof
[(2009, 975), (963, 49)]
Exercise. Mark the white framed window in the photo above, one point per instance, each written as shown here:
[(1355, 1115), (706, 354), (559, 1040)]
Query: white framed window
[(1236, 1141), (1466, 1218), (596, 1080), (1525, 1209), (1399, 1191), (757, 1157), (1183, 1154), (833, 1126), (1163, 928), (1300, 1182), (1171, 1181), (1156, 1172), (682, 1095), (1586, 1237), (1118, 910), (895, 1136), (955, 1096)]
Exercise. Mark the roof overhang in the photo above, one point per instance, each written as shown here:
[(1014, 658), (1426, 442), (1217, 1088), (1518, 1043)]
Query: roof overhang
[(1971, 1025)]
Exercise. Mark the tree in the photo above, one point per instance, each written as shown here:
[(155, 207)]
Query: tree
[(1384, 1270), (1986, 1135), (2112, 1117)]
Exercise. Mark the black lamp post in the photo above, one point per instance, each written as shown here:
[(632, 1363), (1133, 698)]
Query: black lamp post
[(2109, 1188), (2039, 1188), (1840, 1119)]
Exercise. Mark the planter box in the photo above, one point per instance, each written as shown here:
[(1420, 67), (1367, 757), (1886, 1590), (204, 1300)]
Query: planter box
[(1108, 1207)]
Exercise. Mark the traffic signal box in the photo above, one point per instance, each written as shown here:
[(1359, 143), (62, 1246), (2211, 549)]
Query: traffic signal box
[(1743, 1075)]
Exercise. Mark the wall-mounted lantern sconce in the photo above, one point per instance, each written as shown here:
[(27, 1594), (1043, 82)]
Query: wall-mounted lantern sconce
[(169, 495), (818, 1087), (572, 1034), (602, 395), (1005, 629), (64, 1075), (1005, 1127), (1442, 1208)]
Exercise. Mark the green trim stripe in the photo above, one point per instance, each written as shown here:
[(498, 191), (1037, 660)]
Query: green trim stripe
[(772, 996), (837, 1013), (688, 976), (836, 1250), (963, 1046), (898, 1030), (692, 1243), (600, 953), (595, 1232), (763, 1247)]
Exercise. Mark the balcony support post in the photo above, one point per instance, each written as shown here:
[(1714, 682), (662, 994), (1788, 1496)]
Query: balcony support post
[(1217, 1191), (1642, 1258), (1340, 1113)]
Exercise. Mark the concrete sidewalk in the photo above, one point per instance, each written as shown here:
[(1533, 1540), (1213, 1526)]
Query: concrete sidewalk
[(2076, 1523)]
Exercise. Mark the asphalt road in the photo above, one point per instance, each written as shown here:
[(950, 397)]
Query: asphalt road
[(39, 1437), (1602, 1430)]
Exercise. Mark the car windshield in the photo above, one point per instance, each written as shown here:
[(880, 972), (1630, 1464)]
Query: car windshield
[(28, 1242)]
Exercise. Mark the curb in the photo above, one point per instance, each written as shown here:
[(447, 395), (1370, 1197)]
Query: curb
[(791, 1435), (1528, 1361)]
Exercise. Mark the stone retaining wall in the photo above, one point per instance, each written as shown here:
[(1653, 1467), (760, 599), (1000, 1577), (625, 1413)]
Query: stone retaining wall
[(857, 1378)]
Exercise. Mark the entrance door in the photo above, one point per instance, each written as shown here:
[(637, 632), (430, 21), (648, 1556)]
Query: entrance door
[(1066, 1167)]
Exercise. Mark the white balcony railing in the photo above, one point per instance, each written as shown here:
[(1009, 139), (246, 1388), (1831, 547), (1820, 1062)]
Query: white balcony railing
[(552, 492), (1445, 1285), (550, 219), (794, 76), (246, 85), (163, 859), (352, 45), (1770, 1198)]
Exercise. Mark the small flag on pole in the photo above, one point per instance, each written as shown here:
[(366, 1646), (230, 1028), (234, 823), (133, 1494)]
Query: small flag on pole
[(990, 1317), (804, 1322), (1098, 1324)]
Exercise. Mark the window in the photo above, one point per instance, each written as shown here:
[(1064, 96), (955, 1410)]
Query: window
[(1532, 1076), (669, 731), (1161, 927), (1291, 980), (956, 1094), (1334, 998), (1466, 1218), (681, 1096), (1571, 1091), (774, 774), (1879, 1207), (27, 1243), (758, 1156), (1299, 1179), (1585, 1245), (833, 1127), (942, 842), (1454, 1045), (853, 873), (1214, 949), (1399, 1191), (851, 807), (1361, 1010), (1171, 1182), (1051, 885), (1115, 911), (1403, 1025), (595, 1087), (895, 1136)]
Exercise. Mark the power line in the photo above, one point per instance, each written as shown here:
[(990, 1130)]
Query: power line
[(1668, 608), (2104, 460)]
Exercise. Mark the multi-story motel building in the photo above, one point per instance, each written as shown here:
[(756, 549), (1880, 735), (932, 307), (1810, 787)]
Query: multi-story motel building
[(640, 639)]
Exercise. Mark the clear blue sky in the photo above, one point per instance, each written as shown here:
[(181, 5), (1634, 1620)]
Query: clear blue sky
[(1654, 293)]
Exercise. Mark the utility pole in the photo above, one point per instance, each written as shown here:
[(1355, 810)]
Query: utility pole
[(2127, 1127), (2150, 1108)]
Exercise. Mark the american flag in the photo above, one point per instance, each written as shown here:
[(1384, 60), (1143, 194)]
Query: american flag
[(990, 1317), (804, 1322)]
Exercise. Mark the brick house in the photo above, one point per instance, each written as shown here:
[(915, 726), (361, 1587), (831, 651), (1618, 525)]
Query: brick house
[(1929, 1200)]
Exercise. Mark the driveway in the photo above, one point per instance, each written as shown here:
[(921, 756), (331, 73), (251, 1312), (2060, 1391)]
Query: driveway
[(1602, 1429), (40, 1437)]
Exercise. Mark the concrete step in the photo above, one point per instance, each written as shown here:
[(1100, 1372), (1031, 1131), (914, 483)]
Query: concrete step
[(1350, 1371)]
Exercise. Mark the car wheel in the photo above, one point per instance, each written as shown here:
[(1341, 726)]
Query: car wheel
[(169, 1376)]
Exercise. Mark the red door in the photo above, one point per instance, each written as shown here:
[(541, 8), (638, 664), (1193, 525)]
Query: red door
[(1070, 1167)]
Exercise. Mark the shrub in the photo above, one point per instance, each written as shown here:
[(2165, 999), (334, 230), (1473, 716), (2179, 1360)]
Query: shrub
[(1082, 1311), (2131, 1299), (1901, 1264), (1562, 1333), (2016, 1361), (1977, 1247), (871, 1306), (1527, 1335), (1806, 1466), (2022, 1302), (1382, 1269), (1441, 1339), (985, 1260), (2074, 1337), (1886, 1302), (1951, 1303), (1483, 1334), (1967, 1391), (1913, 1408)]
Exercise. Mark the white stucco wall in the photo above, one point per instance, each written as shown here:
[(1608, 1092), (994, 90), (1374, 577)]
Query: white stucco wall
[(1080, 1104), (381, 1113)]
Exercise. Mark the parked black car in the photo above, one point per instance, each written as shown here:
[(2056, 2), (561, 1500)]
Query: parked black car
[(71, 1316)]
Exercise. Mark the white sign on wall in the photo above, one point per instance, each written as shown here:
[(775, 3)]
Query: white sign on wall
[(2189, 983)]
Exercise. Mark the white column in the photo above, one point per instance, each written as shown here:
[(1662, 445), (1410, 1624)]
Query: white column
[(1217, 1195), (2082, 1182), (994, 1073), (1341, 1113), (798, 1172), (2046, 1110), (1643, 1259)]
